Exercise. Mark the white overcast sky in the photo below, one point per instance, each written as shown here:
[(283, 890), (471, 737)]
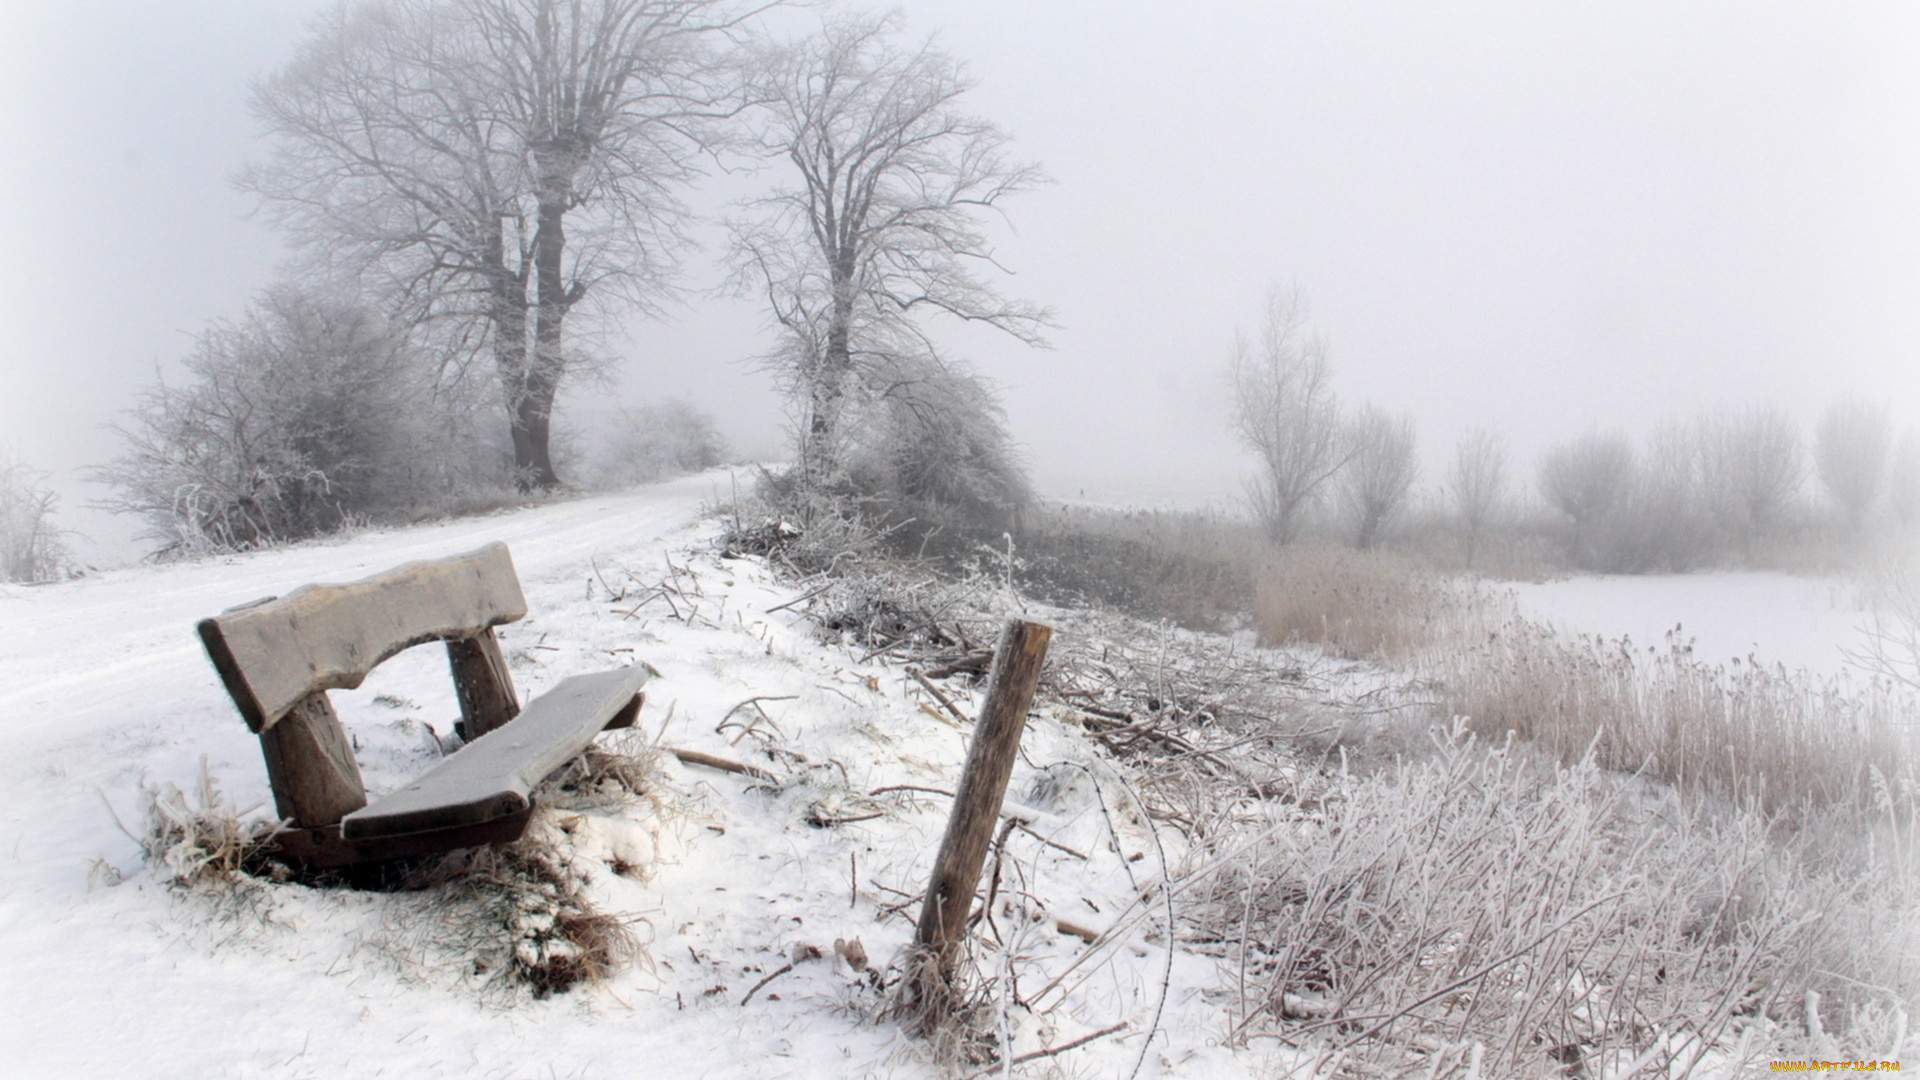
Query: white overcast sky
[(1547, 217)]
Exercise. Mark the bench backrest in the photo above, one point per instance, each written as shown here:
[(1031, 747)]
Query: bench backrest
[(273, 655)]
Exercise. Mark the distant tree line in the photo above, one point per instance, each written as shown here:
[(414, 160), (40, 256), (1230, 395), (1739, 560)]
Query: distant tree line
[(1733, 488), (476, 190), (1725, 488)]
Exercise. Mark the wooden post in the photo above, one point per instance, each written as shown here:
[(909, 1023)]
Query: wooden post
[(483, 684), (976, 811), (310, 764)]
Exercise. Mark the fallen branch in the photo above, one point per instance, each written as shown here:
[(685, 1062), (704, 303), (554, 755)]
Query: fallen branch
[(810, 594), (784, 968), (910, 787), (1054, 844), (1038, 1055), (945, 702), (695, 757), (973, 663)]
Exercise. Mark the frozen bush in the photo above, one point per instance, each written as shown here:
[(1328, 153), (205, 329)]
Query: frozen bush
[(939, 439), (30, 544), (1850, 451), (1588, 480), (1751, 466), (306, 415), (1380, 471), (654, 442)]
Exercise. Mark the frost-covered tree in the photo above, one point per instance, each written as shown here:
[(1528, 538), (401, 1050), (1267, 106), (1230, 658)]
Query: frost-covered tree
[(1751, 468), (1667, 527), (1476, 484), (876, 225), (1285, 411), (1851, 446), (495, 165), (32, 547), (1380, 472), (1588, 480)]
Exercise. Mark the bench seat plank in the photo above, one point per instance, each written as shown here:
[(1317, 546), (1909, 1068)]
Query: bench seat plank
[(494, 775)]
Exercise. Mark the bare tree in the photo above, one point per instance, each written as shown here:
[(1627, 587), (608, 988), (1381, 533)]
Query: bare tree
[(1751, 468), (1588, 479), (1667, 526), (1380, 471), (1851, 446), (32, 547), (878, 225), (495, 164), (1284, 409), (1476, 483)]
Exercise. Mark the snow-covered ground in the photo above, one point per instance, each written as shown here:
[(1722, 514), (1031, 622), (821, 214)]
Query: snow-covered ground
[(1801, 622), (110, 972)]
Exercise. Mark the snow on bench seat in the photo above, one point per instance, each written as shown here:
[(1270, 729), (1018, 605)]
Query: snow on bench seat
[(493, 776)]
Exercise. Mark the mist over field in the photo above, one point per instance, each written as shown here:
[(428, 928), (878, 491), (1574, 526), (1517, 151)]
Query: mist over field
[(1464, 462), (1542, 223)]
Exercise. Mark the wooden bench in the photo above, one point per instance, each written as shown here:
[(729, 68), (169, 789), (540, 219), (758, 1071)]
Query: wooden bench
[(278, 658)]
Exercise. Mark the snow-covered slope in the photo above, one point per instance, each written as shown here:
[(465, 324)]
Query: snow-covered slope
[(110, 972)]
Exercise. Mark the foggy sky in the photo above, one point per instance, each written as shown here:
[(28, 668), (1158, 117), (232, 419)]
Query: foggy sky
[(1543, 217)]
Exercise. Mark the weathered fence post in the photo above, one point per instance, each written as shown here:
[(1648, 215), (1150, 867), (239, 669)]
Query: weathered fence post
[(938, 943)]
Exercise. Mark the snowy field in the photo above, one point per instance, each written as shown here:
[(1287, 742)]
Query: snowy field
[(1800, 622), (110, 973)]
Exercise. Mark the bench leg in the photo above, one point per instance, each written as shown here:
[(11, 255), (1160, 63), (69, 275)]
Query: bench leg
[(484, 685), (310, 764)]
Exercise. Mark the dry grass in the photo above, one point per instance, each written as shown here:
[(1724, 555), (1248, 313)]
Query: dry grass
[(1620, 859), (1763, 738), (622, 768), (1469, 905), (1480, 913), (519, 916), (203, 842), (1354, 604), (1195, 568)]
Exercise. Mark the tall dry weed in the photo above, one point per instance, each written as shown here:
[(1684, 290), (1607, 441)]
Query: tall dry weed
[(1764, 738), (1481, 912), (203, 841), (1354, 604)]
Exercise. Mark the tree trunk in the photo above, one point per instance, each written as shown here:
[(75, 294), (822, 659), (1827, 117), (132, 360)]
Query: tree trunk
[(533, 415), (507, 311), (829, 388)]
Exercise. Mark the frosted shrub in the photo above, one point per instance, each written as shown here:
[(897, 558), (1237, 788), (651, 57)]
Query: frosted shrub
[(30, 543), (654, 442), (309, 414), (1478, 912)]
